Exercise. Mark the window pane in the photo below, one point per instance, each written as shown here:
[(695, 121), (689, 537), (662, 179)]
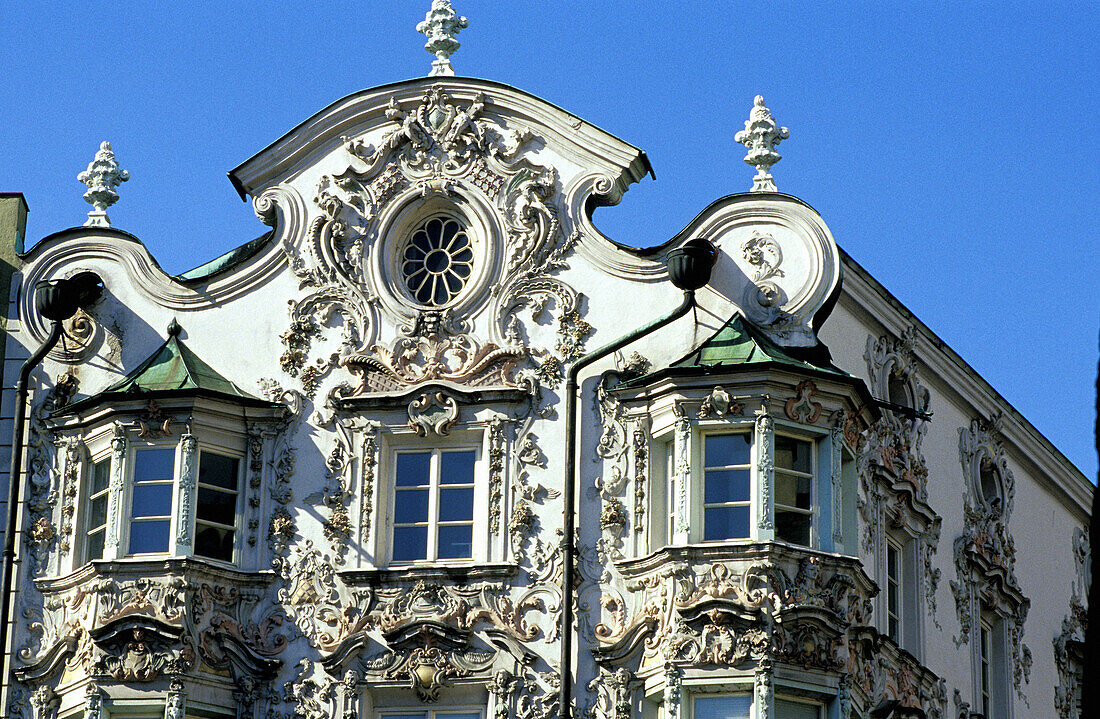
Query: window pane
[(727, 485), (725, 523), (146, 537), (456, 504), (97, 516), (786, 709), (411, 505), (733, 707), (792, 527), (458, 715), (722, 450), (420, 715), (457, 467), (216, 506), (456, 542), (95, 546), (152, 500), (218, 470), (413, 468), (791, 453), (214, 542), (410, 543), (154, 464), (793, 491), (101, 476)]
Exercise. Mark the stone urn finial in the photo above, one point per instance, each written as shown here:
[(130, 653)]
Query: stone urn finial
[(441, 25), (760, 137), (102, 177)]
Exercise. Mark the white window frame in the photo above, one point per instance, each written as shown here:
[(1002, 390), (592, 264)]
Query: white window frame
[(895, 615), (124, 499), (664, 502), (86, 496), (427, 712), (238, 512), (814, 512), (699, 480), (457, 441), (126, 510)]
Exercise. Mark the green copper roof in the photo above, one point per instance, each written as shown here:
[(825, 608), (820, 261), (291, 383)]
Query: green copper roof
[(172, 368), (739, 343)]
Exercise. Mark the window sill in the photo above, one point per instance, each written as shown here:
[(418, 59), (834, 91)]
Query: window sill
[(152, 566)]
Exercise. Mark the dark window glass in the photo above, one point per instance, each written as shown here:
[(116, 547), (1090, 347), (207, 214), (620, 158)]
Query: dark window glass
[(214, 542), (148, 537), (727, 485), (726, 450), (457, 467), (152, 500), (413, 469), (217, 507), (793, 454), (411, 506), (151, 465), (724, 522), (793, 527), (101, 476), (456, 504), (455, 541), (791, 491), (218, 471), (410, 543)]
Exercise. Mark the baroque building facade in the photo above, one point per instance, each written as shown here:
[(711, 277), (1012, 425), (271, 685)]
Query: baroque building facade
[(325, 475)]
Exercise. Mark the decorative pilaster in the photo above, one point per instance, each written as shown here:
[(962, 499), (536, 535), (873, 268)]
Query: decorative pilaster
[(765, 471), (102, 177), (366, 490), (255, 480), (764, 691), (118, 458), (189, 474), (682, 453), (836, 437), (672, 691), (496, 472), (174, 704)]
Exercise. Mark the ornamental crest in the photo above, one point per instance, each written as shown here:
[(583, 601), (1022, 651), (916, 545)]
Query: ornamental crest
[(495, 242)]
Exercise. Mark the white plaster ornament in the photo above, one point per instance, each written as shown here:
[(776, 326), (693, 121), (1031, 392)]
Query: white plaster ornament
[(102, 177), (760, 136), (441, 25)]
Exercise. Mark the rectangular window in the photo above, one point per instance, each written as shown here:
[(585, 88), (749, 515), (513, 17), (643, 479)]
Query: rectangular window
[(153, 483), (432, 714), (734, 706), (985, 651), (893, 590), (96, 525), (794, 475), (727, 460), (797, 709), (670, 492), (433, 515), (216, 510)]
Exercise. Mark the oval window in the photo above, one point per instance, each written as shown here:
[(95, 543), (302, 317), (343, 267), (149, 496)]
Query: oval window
[(990, 480), (437, 261)]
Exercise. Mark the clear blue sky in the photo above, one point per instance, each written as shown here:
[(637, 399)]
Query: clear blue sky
[(954, 152)]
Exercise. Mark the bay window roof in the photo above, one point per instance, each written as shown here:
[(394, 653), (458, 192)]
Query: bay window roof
[(172, 370)]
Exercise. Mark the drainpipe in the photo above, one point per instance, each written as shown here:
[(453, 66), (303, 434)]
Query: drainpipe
[(56, 300), (689, 269)]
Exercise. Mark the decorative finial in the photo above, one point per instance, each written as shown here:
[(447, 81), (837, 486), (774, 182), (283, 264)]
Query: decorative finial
[(440, 26), (760, 137), (174, 328), (102, 177)]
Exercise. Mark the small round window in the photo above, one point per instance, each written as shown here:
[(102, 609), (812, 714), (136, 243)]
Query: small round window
[(437, 261)]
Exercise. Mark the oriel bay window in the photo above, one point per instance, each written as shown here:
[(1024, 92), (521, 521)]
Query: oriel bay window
[(738, 481), (433, 512), (147, 504)]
